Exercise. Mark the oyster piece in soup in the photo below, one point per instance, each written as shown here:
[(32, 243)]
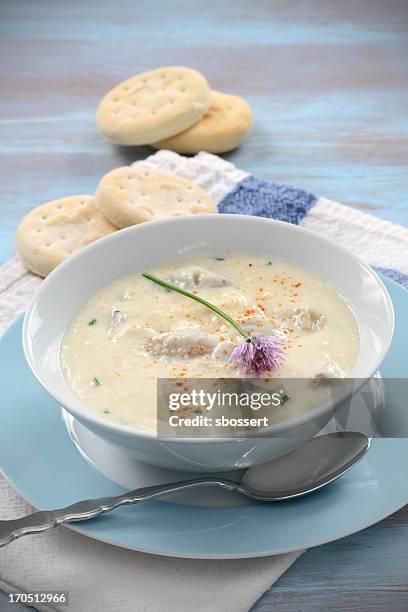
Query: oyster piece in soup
[(116, 318), (329, 370), (196, 277), (305, 319), (188, 342)]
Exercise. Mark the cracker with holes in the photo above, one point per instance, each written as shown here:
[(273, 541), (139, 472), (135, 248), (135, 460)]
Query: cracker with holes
[(225, 125), (51, 232), (153, 105), (131, 195)]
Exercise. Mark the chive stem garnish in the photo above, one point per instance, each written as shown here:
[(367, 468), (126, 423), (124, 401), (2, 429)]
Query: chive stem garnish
[(201, 300), (256, 354), (96, 382), (92, 323)]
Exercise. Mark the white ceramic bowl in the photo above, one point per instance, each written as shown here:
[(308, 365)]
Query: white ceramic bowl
[(142, 247)]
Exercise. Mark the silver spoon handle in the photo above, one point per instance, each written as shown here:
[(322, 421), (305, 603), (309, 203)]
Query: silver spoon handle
[(87, 509)]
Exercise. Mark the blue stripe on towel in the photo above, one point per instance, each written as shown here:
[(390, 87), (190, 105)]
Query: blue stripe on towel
[(395, 275), (260, 198), (264, 199)]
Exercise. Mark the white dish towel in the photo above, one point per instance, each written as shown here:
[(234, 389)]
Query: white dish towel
[(103, 578)]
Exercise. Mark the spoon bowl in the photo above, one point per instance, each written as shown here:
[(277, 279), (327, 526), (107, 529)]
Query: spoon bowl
[(305, 469)]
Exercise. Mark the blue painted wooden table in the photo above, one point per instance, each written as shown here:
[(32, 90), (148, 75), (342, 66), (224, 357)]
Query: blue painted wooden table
[(327, 81)]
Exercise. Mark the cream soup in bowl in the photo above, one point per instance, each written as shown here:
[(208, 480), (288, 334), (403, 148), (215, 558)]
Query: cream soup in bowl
[(193, 242), (133, 332)]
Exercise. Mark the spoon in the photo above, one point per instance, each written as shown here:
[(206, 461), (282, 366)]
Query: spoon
[(303, 470)]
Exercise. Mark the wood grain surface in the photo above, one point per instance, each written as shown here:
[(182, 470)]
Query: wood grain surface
[(327, 80)]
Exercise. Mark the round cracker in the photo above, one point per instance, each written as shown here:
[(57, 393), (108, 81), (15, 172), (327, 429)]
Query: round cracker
[(52, 232), (225, 125), (153, 105), (129, 195)]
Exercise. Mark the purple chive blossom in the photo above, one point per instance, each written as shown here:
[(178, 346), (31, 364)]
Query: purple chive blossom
[(258, 354)]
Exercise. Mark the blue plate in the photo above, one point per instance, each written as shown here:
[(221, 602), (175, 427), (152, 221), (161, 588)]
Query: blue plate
[(39, 459)]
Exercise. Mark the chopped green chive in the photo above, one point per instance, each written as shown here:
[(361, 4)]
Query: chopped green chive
[(219, 258), (95, 382), (269, 263), (92, 323), (284, 397)]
